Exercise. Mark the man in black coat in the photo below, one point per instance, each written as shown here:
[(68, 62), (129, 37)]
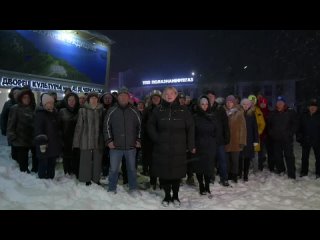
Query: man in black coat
[(122, 134), (309, 137), (222, 135), (282, 125)]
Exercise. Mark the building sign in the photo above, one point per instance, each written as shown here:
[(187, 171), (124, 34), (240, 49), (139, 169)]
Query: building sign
[(168, 81), (53, 53), (44, 86)]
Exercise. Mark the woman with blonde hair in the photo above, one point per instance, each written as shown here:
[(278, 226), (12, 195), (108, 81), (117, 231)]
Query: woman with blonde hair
[(171, 129)]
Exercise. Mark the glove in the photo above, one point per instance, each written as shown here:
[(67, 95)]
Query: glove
[(138, 144), (255, 144), (43, 148)]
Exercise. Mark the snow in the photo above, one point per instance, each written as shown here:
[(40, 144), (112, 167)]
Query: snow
[(264, 190)]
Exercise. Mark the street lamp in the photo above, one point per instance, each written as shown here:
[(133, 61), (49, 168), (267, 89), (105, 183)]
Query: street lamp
[(192, 73)]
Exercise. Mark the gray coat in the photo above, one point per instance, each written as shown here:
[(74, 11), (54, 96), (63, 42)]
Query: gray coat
[(122, 126), (88, 131)]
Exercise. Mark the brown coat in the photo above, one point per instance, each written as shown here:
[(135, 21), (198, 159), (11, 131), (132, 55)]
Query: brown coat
[(238, 130)]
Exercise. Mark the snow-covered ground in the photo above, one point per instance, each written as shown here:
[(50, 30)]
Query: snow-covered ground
[(263, 191)]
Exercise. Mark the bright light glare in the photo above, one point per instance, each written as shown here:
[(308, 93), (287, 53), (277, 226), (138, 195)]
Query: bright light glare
[(65, 36), (245, 67), (192, 73)]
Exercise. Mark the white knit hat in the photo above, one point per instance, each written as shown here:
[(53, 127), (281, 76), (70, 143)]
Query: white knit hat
[(46, 98)]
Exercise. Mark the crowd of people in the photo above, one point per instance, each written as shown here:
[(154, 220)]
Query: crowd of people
[(172, 135)]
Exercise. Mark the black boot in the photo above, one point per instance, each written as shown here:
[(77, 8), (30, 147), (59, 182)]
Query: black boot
[(202, 189), (235, 178), (224, 183), (246, 169), (207, 184), (167, 198), (175, 190)]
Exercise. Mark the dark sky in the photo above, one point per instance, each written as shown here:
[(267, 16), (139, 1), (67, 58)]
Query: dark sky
[(156, 53), (268, 54)]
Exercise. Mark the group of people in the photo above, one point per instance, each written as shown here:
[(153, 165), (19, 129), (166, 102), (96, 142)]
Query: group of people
[(176, 137)]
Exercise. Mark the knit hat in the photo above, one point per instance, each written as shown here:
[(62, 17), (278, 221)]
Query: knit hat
[(46, 98), (231, 98), (246, 101), (204, 100), (155, 93), (281, 98), (263, 100), (124, 90), (220, 100), (253, 99)]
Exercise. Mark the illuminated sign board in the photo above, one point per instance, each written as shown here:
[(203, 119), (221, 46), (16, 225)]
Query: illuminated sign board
[(45, 86), (168, 81), (61, 54)]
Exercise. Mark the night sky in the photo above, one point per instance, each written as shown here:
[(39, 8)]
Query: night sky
[(166, 53), (249, 55)]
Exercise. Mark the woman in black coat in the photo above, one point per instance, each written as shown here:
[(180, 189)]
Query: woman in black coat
[(206, 144), (171, 128), (68, 118), (47, 137), (252, 137)]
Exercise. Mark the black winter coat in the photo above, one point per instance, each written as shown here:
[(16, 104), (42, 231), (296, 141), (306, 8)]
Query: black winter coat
[(122, 126), (206, 142), (252, 134), (171, 128), (68, 120), (223, 130), (47, 123), (5, 115), (282, 125), (309, 129)]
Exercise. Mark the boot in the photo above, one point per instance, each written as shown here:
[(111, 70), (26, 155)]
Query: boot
[(175, 190), (202, 189), (167, 198), (246, 169), (207, 184), (234, 178), (224, 183)]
